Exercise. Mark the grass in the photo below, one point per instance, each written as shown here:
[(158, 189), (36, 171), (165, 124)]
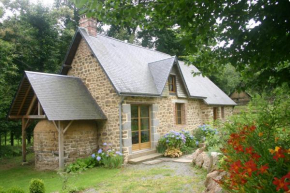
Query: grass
[(159, 180), (13, 174), (128, 179)]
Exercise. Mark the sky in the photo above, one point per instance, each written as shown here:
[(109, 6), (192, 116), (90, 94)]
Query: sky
[(47, 3)]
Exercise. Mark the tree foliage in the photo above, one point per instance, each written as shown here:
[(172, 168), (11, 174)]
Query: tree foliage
[(34, 38), (259, 52)]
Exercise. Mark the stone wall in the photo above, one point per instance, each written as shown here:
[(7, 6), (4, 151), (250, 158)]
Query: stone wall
[(86, 67), (80, 140)]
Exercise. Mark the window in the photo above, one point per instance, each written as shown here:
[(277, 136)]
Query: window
[(172, 84), (179, 114)]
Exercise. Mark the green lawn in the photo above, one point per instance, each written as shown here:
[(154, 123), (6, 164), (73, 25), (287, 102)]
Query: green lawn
[(154, 179), (12, 174)]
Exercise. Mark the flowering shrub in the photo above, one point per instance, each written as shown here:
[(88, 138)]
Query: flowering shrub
[(105, 156), (208, 135), (256, 151), (189, 139), (174, 142), (108, 157)]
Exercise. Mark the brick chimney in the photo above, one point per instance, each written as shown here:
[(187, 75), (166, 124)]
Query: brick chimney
[(89, 24)]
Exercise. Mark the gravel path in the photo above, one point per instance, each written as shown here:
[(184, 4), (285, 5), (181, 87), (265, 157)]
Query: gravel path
[(179, 171)]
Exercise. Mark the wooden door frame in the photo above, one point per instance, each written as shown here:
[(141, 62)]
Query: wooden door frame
[(215, 113)]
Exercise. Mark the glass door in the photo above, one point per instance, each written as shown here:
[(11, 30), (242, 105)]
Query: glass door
[(140, 127)]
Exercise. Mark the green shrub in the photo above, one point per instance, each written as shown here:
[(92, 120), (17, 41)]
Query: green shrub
[(112, 161), (15, 190), (109, 157), (81, 164), (36, 186), (186, 150), (209, 135), (10, 151)]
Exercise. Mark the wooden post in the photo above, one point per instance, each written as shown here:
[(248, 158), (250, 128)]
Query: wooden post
[(23, 140), (60, 146)]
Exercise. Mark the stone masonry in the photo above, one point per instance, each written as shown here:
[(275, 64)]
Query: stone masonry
[(86, 67), (80, 140), (162, 112)]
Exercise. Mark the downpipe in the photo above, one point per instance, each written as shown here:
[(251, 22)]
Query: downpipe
[(120, 123)]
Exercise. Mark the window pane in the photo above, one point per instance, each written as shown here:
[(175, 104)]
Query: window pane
[(134, 111), (178, 113), (170, 87), (144, 136), (145, 124), (144, 111), (178, 106), (170, 79), (179, 120), (135, 137), (134, 124)]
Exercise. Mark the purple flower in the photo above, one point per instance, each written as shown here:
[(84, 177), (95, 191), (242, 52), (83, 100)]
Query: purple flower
[(98, 158), (93, 155), (100, 151), (119, 153), (196, 142), (104, 144)]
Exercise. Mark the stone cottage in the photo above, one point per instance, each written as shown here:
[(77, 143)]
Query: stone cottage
[(114, 92)]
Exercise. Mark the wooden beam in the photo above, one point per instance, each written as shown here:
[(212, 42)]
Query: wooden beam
[(55, 126), (24, 99), (24, 124), (31, 105), (27, 116), (60, 146), (66, 66), (67, 126), (38, 108)]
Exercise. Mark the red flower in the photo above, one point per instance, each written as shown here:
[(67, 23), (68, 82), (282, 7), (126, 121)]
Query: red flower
[(279, 154), (253, 128), (249, 150), (263, 169), (239, 148), (280, 183), (287, 176), (243, 181), (236, 166), (255, 156), (250, 167)]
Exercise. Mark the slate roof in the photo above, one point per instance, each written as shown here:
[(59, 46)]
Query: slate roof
[(135, 70), (64, 97)]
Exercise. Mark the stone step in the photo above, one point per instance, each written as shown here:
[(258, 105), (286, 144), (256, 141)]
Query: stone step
[(142, 153), (144, 158)]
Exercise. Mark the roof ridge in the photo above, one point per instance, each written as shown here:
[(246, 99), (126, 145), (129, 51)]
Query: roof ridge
[(162, 59), (50, 74), (125, 42)]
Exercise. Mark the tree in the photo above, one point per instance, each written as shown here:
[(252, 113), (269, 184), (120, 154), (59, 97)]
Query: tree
[(260, 52), (33, 38)]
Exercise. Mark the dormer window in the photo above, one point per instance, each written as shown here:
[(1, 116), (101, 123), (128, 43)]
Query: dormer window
[(172, 84)]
